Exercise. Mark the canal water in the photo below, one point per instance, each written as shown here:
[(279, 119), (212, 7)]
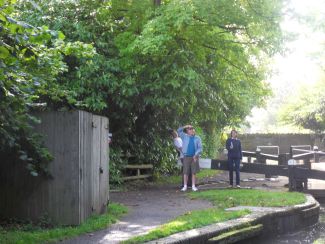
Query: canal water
[(311, 235)]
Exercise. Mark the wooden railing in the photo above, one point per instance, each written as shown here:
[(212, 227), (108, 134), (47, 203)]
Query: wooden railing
[(298, 174), (138, 171)]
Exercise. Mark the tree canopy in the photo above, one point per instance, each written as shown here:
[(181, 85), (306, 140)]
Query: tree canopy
[(30, 60), (159, 64), (307, 109)]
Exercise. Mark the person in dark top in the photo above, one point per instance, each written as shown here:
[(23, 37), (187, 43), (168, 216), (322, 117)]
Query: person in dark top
[(233, 146)]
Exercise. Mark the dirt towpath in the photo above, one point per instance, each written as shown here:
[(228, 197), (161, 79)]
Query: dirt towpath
[(152, 206)]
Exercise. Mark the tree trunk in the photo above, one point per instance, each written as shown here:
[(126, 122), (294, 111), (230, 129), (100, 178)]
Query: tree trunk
[(156, 2)]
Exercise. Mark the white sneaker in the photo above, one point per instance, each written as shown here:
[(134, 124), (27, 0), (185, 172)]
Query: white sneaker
[(184, 188), (194, 188), (238, 186)]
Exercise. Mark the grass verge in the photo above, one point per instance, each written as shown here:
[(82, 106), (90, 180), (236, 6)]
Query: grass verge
[(177, 179), (221, 199), (249, 197), (37, 235)]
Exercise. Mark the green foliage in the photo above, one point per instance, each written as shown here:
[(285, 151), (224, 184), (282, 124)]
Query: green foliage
[(115, 166), (30, 60), (235, 197), (307, 109), (156, 67)]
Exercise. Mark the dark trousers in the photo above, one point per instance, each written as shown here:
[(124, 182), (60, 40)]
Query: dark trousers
[(234, 164)]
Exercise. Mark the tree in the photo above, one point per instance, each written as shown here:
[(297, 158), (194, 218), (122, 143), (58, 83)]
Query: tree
[(163, 63), (307, 109), (30, 60)]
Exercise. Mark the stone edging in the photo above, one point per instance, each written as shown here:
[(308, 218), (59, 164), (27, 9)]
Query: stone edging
[(274, 221)]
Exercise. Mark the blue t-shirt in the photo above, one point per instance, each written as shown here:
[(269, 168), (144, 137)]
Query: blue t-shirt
[(190, 148)]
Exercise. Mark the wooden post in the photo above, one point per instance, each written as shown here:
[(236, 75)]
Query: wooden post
[(316, 155), (292, 181), (291, 152), (258, 155), (283, 159), (307, 163)]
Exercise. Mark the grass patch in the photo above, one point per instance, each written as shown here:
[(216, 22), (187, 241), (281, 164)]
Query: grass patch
[(221, 199), (190, 220), (207, 173), (177, 179), (250, 197), (37, 235)]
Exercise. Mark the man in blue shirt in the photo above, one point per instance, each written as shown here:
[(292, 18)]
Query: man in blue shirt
[(192, 148)]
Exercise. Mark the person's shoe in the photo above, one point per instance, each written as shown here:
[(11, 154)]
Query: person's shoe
[(184, 188), (230, 186), (238, 186), (194, 188)]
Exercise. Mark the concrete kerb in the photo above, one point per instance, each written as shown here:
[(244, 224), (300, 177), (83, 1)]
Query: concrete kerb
[(278, 220)]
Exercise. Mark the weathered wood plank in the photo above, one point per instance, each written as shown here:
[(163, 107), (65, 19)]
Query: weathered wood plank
[(137, 177), (86, 131), (104, 166), (139, 166), (95, 161)]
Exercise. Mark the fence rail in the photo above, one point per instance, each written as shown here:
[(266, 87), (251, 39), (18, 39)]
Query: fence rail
[(142, 171)]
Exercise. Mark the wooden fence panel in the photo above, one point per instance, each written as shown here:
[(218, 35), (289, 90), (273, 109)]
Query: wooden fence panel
[(69, 196), (85, 164), (95, 160), (62, 130), (104, 166)]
